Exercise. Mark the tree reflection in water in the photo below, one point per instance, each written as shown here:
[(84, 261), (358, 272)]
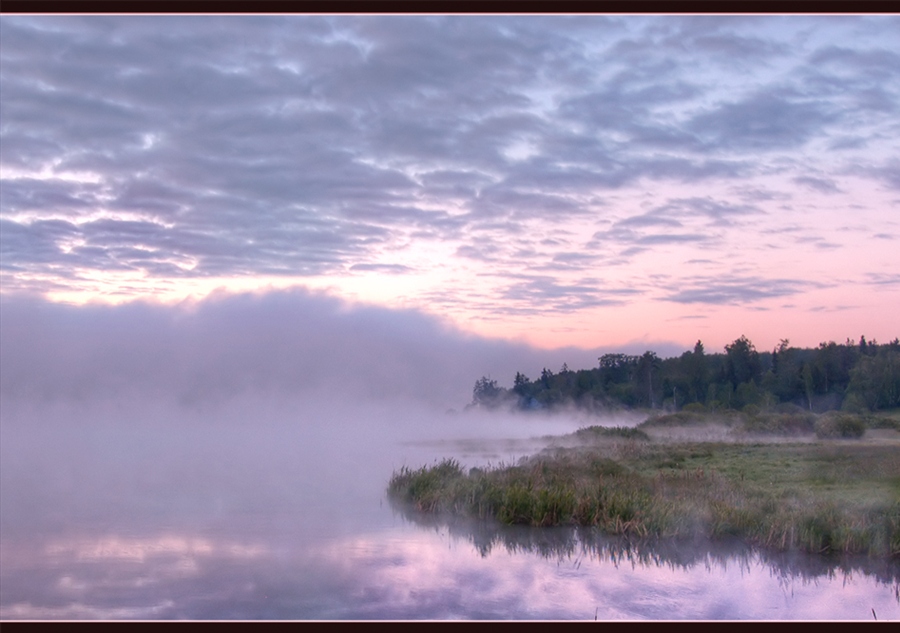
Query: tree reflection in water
[(579, 543)]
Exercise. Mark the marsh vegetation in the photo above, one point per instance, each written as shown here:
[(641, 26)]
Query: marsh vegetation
[(825, 483)]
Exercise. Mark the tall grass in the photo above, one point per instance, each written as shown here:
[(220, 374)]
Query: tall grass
[(589, 433), (832, 424), (780, 496)]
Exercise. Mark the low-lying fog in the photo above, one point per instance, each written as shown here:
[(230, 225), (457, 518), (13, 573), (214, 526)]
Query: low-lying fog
[(128, 462), (238, 404), (239, 416), (228, 459)]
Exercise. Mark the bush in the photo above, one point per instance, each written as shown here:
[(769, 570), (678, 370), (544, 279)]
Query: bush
[(628, 433), (840, 426), (751, 410), (681, 418), (879, 422), (781, 423), (694, 407)]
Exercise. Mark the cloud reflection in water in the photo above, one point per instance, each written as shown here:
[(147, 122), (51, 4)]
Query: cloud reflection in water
[(432, 572)]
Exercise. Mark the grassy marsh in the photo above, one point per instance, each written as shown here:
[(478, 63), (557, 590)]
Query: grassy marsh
[(773, 482)]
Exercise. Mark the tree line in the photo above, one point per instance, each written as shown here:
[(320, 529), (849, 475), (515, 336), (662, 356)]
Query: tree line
[(853, 376)]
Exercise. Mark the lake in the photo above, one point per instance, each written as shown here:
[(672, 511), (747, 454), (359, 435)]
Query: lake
[(271, 508)]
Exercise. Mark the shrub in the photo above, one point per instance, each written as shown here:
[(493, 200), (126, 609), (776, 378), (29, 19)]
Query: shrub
[(627, 433), (878, 422), (674, 419), (751, 410), (840, 426), (781, 423)]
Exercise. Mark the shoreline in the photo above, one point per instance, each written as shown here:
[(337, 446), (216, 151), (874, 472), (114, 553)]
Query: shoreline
[(775, 481)]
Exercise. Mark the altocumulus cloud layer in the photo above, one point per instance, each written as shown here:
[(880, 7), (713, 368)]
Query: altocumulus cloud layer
[(522, 165)]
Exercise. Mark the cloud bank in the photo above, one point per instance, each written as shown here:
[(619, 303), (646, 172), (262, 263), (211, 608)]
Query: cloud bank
[(288, 343)]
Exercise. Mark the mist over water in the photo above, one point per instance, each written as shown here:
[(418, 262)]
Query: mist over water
[(229, 460), (150, 493), (247, 456), (286, 342)]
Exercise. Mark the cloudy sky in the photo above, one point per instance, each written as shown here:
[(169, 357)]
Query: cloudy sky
[(583, 181)]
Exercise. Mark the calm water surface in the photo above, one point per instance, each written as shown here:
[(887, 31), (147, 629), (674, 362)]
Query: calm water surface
[(264, 511)]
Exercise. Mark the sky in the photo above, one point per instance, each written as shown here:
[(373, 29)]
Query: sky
[(553, 182), (242, 252)]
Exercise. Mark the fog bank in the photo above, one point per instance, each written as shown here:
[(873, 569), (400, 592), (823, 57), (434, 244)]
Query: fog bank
[(240, 407), (289, 342)]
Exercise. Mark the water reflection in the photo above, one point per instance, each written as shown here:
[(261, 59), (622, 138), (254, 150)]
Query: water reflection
[(573, 545), (423, 568)]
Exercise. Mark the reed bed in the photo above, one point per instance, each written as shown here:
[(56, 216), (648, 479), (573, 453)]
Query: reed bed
[(818, 496)]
